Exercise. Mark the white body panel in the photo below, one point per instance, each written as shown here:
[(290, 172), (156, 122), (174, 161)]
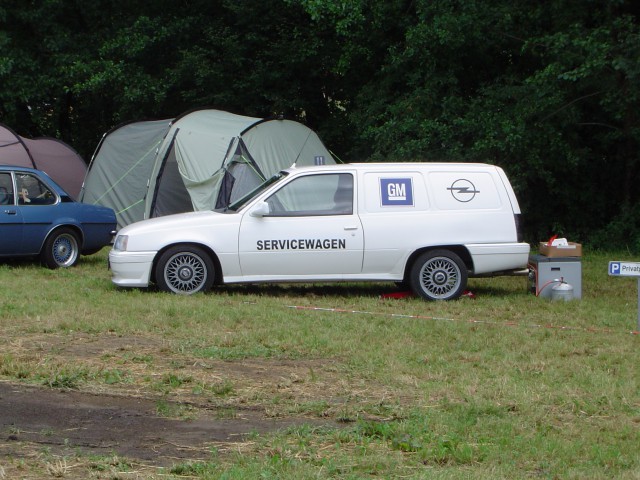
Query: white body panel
[(397, 211), (280, 246)]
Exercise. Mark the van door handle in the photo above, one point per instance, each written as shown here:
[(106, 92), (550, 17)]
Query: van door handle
[(10, 212), (355, 227)]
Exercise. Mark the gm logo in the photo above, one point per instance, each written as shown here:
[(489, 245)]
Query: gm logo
[(463, 190), (396, 191)]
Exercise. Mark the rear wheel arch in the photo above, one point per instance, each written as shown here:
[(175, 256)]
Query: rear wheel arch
[(76, 229), (452, 255), (459, 250), (438, 274), (69, 238)]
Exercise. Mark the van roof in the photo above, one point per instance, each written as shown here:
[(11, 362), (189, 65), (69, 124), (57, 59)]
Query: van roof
[(392, 166)]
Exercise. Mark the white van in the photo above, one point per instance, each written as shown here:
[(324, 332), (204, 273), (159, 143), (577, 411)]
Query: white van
[(427, 225)]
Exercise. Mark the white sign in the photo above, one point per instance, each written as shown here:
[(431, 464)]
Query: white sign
[(624, 269), (627, 269)]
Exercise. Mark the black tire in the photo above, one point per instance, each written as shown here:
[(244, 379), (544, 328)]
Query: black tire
[(184, 269), (61, 249), (439, 275)]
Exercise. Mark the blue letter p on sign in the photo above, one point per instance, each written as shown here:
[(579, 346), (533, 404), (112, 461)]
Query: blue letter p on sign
[(614, 268)]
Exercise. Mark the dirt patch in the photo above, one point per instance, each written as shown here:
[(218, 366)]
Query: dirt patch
[(96, 419), (70, 421), (150, 361)]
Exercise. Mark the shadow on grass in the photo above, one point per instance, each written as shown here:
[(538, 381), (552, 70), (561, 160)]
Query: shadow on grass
[(33, 261), (337, 290), (351, 290)]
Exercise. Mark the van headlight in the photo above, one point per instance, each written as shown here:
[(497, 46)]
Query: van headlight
[(121, 243)]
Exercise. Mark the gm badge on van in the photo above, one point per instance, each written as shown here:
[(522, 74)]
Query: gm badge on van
[(396, 191)]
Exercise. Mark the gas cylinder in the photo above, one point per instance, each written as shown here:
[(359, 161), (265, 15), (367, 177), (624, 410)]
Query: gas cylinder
[(562, 291)]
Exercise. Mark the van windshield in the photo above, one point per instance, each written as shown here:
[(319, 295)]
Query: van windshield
[(242, 201)]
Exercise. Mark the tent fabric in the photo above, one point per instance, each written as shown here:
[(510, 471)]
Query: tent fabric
[(61, 162), (200, 142), (119, 173), (243, 169), (202, 160)]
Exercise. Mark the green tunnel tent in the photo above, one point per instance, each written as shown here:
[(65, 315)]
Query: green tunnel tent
[(202, 160)]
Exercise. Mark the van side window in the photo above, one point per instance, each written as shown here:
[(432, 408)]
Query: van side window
[(327, 194)]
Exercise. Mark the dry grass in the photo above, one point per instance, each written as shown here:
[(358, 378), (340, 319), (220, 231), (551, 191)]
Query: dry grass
[(505, 385)]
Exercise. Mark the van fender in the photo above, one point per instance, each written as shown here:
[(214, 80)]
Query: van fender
[(459, 250), (219, 277)]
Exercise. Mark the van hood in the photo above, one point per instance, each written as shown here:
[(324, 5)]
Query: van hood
[(172, 222)]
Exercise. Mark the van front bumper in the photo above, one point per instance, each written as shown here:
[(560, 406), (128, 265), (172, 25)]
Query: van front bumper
[(131, 269)]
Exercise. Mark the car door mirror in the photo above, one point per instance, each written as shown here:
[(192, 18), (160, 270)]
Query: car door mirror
[(260, 210)]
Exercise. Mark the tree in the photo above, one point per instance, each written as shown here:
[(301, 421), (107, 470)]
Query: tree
[(549, 91)]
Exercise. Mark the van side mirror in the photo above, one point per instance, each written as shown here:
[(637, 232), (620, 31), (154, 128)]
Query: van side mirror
[(260, 210)]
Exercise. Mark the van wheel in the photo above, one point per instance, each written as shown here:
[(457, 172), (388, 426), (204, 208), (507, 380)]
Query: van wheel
[(439, 275), (61, 249), (184, 270)]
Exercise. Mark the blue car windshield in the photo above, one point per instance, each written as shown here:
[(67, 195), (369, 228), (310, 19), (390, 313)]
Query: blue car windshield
[(242, 201)]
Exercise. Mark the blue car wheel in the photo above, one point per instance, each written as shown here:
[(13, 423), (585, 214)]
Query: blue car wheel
[(62, 249)]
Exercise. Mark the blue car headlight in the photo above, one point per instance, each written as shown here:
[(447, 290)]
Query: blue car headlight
[(121, 243)]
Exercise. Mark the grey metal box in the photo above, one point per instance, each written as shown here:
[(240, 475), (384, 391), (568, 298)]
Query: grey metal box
[(544, 271)]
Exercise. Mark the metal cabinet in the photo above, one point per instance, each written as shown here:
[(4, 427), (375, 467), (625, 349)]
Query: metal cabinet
[(546, 272)]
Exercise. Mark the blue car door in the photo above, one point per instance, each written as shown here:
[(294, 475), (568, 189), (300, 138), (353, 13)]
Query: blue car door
[(36, 224), (38, 207), (11, 221)]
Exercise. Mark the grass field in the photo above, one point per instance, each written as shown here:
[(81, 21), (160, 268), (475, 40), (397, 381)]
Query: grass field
[(503, 385)]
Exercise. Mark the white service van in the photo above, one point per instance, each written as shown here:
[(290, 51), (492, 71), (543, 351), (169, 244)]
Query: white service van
[(426, 225)]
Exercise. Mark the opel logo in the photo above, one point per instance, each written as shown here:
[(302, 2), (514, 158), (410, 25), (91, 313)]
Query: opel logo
[(463, 190)]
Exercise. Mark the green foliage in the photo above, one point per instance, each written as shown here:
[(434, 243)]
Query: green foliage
[(548, 91), (113, 376), (174, 381), (194, 469), (622, 231), (66, 380)]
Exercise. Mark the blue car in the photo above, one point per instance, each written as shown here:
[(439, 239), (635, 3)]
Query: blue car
[(39, 219)]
